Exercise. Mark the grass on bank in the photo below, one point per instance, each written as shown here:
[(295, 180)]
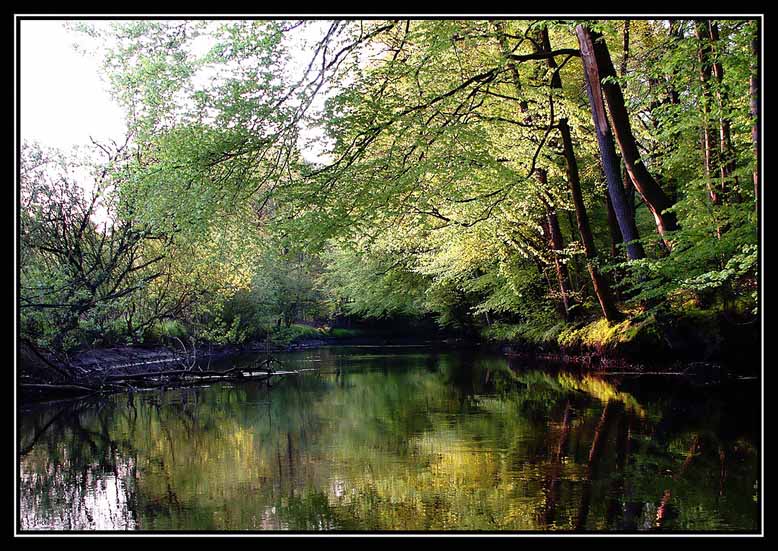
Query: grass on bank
[(282, 335), (640, 331)]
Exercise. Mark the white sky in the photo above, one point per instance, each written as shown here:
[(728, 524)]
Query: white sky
[(62, 99)]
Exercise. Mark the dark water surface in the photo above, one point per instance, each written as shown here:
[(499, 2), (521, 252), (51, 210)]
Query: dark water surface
[(400, 438)]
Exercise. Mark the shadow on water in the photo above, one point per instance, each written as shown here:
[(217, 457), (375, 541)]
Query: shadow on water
[(400, 439)]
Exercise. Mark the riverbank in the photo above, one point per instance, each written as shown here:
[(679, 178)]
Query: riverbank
[(699, 338), (44, 376), (703, 345)]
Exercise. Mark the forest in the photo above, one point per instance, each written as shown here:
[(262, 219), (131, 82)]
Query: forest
[(570, 184), (421, 275)]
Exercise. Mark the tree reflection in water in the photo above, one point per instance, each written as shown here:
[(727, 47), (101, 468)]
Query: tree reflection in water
[(388, 440)]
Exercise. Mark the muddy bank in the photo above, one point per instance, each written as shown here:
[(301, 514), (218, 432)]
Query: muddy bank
[(43, 376), (128, 359), (693, 351)]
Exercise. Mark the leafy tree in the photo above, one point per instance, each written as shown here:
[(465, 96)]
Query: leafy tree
[(457, 174)]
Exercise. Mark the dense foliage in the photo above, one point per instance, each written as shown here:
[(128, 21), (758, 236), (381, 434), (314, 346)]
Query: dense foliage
[(311, 171)]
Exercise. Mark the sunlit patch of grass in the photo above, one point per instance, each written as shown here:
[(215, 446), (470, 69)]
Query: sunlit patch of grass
[(598, 334), (340, 333), (295, 333)]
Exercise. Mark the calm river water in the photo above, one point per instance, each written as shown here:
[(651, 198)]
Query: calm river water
[(400, 438)]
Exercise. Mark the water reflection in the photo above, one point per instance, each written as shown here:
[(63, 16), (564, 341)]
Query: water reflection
[(388, 439)]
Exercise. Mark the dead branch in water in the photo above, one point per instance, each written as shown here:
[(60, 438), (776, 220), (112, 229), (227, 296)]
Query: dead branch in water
[(176, 370)]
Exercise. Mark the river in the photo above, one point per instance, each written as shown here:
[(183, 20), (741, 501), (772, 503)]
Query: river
[(400, 438)]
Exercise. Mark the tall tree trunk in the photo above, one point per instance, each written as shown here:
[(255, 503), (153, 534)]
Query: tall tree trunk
[(676, 31), (600, 284), (556, 244), (610, 163), (545, 46), (710, 147), (727, 153), (754, 92), (629, 189), (597, 66), (613, 227), (555, 239)]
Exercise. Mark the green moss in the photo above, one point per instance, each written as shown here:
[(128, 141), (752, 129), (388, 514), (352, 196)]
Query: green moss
[(599, 335)]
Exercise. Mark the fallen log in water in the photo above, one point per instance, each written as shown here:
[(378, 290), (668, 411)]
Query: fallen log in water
[(56, 388), (119, 379)]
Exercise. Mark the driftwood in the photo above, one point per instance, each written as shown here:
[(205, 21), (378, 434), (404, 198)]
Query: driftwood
[(156, 379), (56, 387), (172, 371)]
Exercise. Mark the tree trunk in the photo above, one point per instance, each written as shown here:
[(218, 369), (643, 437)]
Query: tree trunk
[(613, 227), (557, 245), (708, 137), (599, 283), (728, 179), (601, 288), (610, 163), (597, 66), (629, 189), (545, 46), (554, 234), (754, 92)]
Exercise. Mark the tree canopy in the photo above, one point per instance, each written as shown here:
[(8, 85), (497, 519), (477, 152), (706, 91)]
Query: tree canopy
[(525, 173)]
